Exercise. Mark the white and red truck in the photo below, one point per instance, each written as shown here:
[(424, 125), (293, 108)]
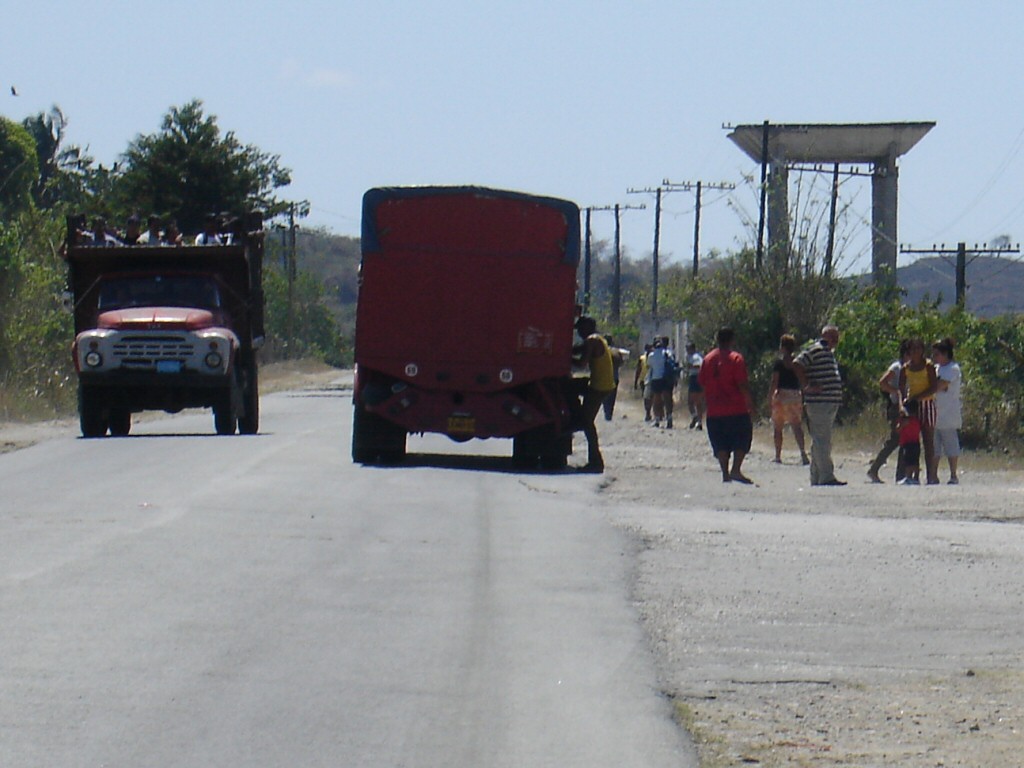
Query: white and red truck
[(161, 327)]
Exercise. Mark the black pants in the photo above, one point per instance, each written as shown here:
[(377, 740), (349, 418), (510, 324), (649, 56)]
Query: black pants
[(892, 413), (609, 403)]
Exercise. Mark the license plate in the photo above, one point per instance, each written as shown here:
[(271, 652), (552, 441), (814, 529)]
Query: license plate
[(462, 424), (168, 366)]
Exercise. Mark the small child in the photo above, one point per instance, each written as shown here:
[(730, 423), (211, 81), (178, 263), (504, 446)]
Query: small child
[(910, 444)]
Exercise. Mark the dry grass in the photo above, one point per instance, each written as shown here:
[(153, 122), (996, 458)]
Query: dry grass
[(861, 439), (21, 406), (295, 374)]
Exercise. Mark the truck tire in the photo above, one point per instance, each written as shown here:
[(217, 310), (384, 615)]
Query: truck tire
[(224, 418), (375, 439), (541, 445), (120, 422), (249, 421), (92, 414), (554, 462), (524, 455), (554, 457)]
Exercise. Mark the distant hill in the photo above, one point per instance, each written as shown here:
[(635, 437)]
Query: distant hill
[(995, 285)]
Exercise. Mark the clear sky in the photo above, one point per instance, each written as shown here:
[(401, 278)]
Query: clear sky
[(568, 98)]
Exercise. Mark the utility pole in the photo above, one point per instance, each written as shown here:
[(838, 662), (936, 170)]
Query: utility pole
[(586, 265), (295, 210), (698, 186), (759, 260), (292, 272), (961, 252), (616, 285), (657, 192), (833, 201)]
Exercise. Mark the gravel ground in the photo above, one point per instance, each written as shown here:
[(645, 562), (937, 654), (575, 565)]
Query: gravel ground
[(869, 625)]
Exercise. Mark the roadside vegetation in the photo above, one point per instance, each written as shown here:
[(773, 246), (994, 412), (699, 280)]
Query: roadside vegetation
[(798, 298), (189, 167), (184, 170)]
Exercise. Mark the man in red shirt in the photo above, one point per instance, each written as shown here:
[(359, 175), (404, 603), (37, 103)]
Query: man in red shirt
[(723, 375)]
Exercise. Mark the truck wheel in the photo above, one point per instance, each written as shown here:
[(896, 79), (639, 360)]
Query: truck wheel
[(224, 419), (542, 445), (524, 455), (249, 421), (554, 462), (555, 455), (92, 415), (120, 422), (374, 438)]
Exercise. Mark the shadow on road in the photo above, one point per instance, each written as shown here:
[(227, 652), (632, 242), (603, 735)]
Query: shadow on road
[(494, 464), (151, 435)]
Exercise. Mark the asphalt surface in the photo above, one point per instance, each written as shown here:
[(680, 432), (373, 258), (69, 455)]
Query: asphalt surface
[(175, 598)]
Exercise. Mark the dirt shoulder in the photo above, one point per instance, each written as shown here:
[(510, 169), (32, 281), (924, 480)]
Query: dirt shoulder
[(859, 626)]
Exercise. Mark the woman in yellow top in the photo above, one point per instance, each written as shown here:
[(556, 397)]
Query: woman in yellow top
[(919, 382), (598, 357)]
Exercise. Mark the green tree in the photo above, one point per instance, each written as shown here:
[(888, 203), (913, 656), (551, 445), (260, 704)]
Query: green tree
[(189, 169), (18, 168), (35, 369), (63, 171), (315, 332)]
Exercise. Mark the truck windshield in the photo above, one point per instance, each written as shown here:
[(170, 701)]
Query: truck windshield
[(159, 291)]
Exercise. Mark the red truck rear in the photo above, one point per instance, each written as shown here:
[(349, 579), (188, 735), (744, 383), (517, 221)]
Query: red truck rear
[(464, 325)]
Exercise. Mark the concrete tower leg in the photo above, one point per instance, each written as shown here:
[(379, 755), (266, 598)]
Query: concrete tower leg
[(778, 215), (884, 188)]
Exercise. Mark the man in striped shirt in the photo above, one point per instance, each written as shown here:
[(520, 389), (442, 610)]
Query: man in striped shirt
[(818, 371)]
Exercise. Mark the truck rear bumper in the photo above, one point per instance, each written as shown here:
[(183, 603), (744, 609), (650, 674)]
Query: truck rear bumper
[(462, 416)]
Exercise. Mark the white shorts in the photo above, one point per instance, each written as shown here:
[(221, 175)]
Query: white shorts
[(947, 442)]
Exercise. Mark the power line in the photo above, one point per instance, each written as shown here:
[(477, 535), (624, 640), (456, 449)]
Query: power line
[(698, 187), (617, 284), (1018, 143), (961, 251), (658, 192)]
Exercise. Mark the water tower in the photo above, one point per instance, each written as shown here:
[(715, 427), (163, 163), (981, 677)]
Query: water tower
[(878, 145)]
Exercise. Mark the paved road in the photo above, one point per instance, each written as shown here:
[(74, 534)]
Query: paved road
[(181, 599)]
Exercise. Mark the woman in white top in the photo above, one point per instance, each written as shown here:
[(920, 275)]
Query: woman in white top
[(948, 413)]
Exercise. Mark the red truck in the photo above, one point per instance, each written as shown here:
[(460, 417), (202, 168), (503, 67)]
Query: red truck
[(464, 323), (167, 327)]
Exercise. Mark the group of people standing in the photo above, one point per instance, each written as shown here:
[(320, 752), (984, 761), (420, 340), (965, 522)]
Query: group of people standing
[(804, 385), (657, 371), (657, 374), (806, 388), (923, 410)]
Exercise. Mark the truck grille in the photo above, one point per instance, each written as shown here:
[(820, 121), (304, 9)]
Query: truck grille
[(147, 350)]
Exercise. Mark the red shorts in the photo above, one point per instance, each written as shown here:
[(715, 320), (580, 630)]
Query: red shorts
[(926, 412)]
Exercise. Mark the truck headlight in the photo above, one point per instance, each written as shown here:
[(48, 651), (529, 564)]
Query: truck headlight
[(93, 359), (214, 360)]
